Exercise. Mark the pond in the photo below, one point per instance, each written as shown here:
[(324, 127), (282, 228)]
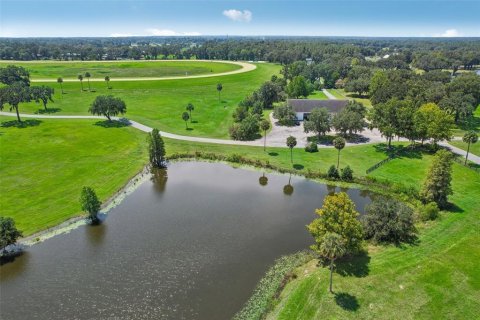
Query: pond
[(191, 243)]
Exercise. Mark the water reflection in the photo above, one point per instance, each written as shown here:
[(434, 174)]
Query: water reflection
[(263, 180), (13, 265), (159, 179), (288, 189), (95, 233)]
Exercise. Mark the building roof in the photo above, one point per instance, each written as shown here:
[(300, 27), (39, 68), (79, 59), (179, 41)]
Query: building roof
[(307, 105)]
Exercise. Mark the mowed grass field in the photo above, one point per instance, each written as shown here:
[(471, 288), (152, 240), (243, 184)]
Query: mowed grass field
[(44, 167), (160, 104), (120, 69)]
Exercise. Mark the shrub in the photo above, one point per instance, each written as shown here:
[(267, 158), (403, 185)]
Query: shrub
[(347, 174), (332, 173), (247, 129), (429, 212), (311, 147), (390, 221), (285, 115)]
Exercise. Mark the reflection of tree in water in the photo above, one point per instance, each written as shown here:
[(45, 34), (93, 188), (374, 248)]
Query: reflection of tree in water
[(96, 233), (288, 189), (331, 189), (263, 181), (159, 179), (13, 265), (343, 189)]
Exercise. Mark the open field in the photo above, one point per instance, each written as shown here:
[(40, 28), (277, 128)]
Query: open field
[(161, 103), (44, 167), (119, 69)]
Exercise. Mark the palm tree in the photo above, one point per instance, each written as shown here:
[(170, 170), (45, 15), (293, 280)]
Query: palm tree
[(265, 125), (185, 118), (190, 108), (339, 144), (291, 143), (332, 247), (107, 80), (469, 137), (60, 80), (219, 89), (88, 75), (80, 77)]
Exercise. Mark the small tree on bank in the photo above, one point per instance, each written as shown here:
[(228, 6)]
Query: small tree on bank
[(156, 149), (108, 106), (14, 95), (90, 203), (185, 118), (291, 143), (339, 144), (8, 233), (190, 107), (332, 247), (469, 137), (60, 81), (264, 125), (437, 186)]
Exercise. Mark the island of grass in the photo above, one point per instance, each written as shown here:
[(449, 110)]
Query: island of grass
[(122, 69)]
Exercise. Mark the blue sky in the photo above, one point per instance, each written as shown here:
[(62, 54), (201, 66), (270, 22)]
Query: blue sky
[(22, 18)]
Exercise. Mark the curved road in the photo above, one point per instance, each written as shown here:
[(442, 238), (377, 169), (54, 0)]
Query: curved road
[(245, 67), (259, 142)]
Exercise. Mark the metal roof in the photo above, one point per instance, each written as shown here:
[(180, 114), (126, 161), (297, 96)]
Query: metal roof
[(307, 105)]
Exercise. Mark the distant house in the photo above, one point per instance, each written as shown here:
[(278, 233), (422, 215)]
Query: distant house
[(309, 61), (303, 107)]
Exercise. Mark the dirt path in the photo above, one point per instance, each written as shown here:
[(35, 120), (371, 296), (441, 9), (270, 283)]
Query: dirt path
[(245, 67)]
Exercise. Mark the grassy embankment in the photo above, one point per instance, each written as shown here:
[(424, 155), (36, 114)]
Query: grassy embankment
[(160, 104), (119, 69)]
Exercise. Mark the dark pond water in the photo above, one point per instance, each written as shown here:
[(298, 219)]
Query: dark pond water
[(190, 246)]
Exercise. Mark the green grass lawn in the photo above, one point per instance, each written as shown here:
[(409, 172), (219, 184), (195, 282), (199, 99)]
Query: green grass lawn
[(160, 104), (366, 102), (44, 167), (119, 69), (318, 95), (474, 148), (337, 94), (473, 124)]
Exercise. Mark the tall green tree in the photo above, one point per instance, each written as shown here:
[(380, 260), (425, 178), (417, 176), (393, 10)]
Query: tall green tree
[(60, 81), (190, 107), (384, 117), (185, 118), (339, 144), (13, 74), (13, 95), (8, 233), (80, 77), (433, 123), (332, 248), (156, 149), (437, 185), (337, 215), (89, 203), (219, 89), (318, 122), (43, 94), (264, 125), (291, 143), (108, 106), (88, 75), (469, 137), (298, 87)]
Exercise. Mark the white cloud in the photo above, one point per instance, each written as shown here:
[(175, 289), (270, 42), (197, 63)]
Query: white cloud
[(169, 33), (119, 35), (449, 33), (237, 15)]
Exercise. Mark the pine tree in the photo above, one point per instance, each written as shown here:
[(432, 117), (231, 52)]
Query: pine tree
[(156, 149), (437, 185)]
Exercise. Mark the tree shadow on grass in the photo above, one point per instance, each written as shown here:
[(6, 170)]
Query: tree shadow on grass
[(273, 154), (326, 140), (356, 266), (112, 124), (452, 207), (48, 111), (194, 121), (346, 301), (22, 124), (400, 151), (297, 166), (189, 129)]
